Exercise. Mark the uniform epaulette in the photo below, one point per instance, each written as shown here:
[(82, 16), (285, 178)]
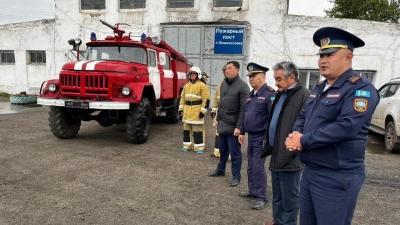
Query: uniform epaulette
[(271, 89), (354, 79)]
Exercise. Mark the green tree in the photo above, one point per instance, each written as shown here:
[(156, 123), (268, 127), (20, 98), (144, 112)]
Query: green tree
[(376, 10)]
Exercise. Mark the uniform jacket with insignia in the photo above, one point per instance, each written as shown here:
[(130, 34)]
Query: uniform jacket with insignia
[(194, 98), (256, 110), (335, 123)]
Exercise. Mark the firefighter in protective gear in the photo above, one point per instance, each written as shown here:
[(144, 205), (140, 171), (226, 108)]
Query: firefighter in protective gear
[(192, 108), (204, 79), (214, 111)]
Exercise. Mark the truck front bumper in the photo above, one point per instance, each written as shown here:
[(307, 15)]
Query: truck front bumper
[(92, 104)]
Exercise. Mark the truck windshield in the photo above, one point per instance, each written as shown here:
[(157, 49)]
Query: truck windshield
[(128, 54)]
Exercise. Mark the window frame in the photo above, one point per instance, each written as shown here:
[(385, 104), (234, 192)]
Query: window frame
[(384, 88), (134, 9), (244, 7), (308, 75), (191, 1), (12, 54), (215, 2), (155, 58), (30, 52), (363, 73), (167, 65), (390, 87), (93, 9), (195, 8)]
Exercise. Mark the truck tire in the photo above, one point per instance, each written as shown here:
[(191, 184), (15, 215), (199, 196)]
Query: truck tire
[(63, 124), (173, 113), (391, 138), (138, 121)]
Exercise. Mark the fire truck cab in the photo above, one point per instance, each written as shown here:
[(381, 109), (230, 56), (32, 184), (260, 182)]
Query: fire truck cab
[(119, 81)]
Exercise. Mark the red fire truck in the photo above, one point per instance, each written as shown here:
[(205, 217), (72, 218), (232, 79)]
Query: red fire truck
[(120, 81)]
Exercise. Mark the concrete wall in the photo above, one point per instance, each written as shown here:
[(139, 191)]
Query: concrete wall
[(23, 38), (273, 36)]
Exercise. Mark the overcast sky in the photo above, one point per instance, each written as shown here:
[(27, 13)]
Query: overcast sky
[(15, 11)]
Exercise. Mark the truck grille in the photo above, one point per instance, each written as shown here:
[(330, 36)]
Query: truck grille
[(96, 84), (85, 85)]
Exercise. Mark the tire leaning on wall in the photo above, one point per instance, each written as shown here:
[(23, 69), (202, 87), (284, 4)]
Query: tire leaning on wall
[(30, 99)]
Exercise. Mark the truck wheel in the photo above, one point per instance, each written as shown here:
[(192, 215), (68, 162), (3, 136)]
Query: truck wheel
[(138, 121), (173, 113), (391, 138), (62, 123)]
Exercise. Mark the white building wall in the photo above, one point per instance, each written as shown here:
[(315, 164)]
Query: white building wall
[(273, 37), (23, 37)]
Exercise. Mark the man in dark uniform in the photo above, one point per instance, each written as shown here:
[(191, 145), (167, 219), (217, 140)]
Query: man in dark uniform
[(331, 133), (256, 111)]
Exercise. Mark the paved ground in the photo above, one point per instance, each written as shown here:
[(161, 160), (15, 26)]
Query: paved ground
[(99, 178)]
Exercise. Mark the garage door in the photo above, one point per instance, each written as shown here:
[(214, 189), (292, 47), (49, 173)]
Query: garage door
[(209, 46)]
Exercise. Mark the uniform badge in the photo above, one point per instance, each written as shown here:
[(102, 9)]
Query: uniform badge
[(334, 95), (250, 68), (325, 41), (354, 79), (363, 93), (360, 105), (272, 99)]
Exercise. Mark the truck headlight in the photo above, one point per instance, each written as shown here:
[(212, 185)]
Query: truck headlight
[(126, 91), (52, 87)]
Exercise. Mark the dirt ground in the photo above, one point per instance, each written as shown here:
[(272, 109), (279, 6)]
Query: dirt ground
[(4, 99), (99, 178)]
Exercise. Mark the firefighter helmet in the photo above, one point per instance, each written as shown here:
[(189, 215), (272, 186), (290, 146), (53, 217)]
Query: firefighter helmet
[(195, 69)]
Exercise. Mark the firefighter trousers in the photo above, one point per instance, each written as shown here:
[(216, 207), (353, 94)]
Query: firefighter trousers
[(193, 136)]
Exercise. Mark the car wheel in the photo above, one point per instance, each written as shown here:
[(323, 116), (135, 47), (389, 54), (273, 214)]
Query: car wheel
[(391, 138)]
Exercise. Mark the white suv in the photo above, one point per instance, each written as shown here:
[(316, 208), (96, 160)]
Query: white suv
[(386, 118)]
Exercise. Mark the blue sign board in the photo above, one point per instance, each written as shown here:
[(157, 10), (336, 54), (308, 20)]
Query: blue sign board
[(228, 40)]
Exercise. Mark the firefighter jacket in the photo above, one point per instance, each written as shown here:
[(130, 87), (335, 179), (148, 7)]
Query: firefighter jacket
[(208, 100), (194, 98), (214, 108)]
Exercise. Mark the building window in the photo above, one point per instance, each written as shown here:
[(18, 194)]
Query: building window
[(227, 3), (132, 4), (180, 3), (7, 56), (37, 57), (367, 74), (309, 78), (93, 4)]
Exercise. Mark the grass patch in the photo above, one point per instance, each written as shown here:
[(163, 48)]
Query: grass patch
[(4, 94)]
